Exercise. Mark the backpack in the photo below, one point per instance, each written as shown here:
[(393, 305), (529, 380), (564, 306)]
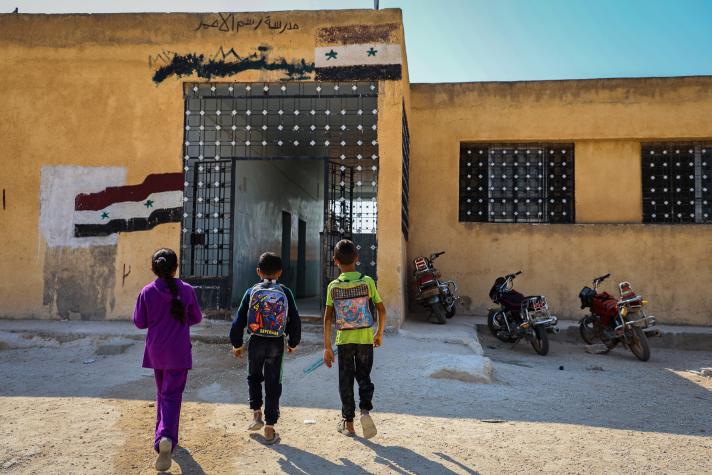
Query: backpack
[(267, 314), (352, 304)]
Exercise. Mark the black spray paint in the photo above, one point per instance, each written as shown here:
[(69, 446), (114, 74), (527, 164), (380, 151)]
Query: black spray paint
[(210, 67)]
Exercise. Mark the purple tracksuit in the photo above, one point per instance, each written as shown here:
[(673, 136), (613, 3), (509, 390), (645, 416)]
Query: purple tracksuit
[(167, 349)]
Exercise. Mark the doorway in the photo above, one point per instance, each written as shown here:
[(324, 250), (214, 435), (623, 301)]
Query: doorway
[(279, 207), (307, 151)]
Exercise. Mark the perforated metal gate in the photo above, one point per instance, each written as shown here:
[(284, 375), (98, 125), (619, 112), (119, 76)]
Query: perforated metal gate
[(225, 122), (206, 241)]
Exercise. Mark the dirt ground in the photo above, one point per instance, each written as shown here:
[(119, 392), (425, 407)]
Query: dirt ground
[(85, 406)]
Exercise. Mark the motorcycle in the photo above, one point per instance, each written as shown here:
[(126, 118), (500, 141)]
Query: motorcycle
[(519, 316), (440, 297), (617, 320)]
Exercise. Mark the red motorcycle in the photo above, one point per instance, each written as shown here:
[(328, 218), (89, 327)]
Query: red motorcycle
[(440, 297), (617, 320)]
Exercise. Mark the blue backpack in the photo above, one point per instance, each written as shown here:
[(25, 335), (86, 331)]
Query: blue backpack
[(267, 314)]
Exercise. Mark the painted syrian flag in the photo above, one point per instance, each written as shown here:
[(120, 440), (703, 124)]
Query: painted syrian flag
[(357, 62), (159, 199)]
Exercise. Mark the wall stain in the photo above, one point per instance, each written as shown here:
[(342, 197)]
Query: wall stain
[(80, 281), (125, 274), (228, 63)]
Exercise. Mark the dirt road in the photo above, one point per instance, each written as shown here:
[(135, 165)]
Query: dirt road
[(84, 406)]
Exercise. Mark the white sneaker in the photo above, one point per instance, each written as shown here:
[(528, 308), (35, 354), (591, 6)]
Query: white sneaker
[(163, 462)]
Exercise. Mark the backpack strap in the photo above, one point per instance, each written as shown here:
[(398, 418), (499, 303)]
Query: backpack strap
[(360, 276)]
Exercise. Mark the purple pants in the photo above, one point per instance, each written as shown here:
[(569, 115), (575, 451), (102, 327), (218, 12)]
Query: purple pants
[(170, 384)]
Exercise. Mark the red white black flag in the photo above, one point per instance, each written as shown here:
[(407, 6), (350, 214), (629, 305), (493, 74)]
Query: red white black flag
[(159, 199)]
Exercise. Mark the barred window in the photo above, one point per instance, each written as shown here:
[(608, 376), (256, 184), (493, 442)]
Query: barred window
[(517, 183), (677, 182), (405, 176)]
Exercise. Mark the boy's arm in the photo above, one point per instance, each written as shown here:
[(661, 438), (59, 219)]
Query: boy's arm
[(140, 316), (328, 352), (378, 337), (240, 322), (380, 308), (294, 323)]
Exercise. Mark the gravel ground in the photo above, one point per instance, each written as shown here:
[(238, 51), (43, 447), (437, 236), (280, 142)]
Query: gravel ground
[(84, 406)]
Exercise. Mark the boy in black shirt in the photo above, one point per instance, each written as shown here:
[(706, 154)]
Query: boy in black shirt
[(269, 312)]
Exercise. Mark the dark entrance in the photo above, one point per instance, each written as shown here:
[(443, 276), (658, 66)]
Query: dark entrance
[(232, 123)]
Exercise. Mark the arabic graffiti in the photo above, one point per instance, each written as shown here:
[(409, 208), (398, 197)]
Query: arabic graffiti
[(228, 62), (163, 57), (228, 22)]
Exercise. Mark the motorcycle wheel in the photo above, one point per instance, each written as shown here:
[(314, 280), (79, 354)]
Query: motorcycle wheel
[(639, 344), (497, 327), (587, 330), (450, 313), (539, 341), (439, 312)]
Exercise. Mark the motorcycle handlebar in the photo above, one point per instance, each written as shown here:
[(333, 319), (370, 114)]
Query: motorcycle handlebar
[(436, 255), (602, 278), (511, 276)]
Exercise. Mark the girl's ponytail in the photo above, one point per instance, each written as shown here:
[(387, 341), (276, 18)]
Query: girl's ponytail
[(164, 264)]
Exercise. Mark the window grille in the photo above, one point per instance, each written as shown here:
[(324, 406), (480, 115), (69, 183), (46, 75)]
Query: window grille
[(517, 183), (405, 175), (677, 182)]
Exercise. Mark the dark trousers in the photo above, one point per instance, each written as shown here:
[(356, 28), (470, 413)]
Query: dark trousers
[(355, 362), (265, 356), (170, 384)]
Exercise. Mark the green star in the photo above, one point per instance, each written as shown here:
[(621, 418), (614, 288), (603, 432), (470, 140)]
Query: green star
[(331, 55), (372, 52), (148, 204), (104, 215)]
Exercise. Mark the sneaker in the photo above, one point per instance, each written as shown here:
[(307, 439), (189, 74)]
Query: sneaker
[(271, 435), (346, 427), (163, 462), (257, 422), (368, 426)]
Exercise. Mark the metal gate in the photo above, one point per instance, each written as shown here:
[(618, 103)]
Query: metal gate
[(226, 122), (338, 216), (206, 238)]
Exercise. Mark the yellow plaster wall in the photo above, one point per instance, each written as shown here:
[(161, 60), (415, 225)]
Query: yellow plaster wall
[(606, 119), (77, 90), (608, 181)]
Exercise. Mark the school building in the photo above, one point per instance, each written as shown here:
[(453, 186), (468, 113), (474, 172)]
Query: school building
[(223, 135)]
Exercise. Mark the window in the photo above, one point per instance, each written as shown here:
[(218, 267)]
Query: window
[(517, 183), (677, 182), (405, 175)]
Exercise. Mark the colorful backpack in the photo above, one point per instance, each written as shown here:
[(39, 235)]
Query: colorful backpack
[(352, 304), (267, 314)]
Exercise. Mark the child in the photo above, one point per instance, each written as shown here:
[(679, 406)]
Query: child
[(349, 298), (269, 312), (167, 307)]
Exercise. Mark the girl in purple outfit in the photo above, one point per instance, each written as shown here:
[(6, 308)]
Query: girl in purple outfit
[(167, 307)]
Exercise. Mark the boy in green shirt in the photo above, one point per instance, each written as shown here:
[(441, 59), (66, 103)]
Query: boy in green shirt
[(349, 303)]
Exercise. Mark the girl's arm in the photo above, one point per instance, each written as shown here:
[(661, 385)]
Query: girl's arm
[(140, 316), (194, 314)]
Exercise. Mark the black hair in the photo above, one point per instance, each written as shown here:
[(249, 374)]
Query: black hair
[(345, 252), (269, 263), (164, 263)]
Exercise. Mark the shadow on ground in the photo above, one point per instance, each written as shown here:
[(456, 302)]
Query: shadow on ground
[(527, 388)]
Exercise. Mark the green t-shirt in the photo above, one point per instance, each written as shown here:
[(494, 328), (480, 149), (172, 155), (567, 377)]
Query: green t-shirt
[(359, 336)]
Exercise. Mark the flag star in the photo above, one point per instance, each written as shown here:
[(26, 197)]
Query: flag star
[(372, 52), (148, 204), (331, 55), (104, 215)]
